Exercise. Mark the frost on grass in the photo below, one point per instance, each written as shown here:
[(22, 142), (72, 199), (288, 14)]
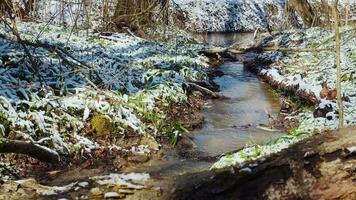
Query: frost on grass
[(56, 101), (307, 71)]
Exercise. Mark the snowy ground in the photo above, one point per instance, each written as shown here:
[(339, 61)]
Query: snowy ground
[(230, 15), (54, 103), (307, 71), (241, 15)]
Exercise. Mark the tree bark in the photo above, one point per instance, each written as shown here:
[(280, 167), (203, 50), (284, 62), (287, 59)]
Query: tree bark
[(326, 12), (6, 7)]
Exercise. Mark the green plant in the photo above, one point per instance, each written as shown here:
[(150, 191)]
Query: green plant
[(177, 131), (5, 123)]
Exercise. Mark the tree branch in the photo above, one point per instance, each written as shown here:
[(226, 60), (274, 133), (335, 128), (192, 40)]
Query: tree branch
[(31, 149)]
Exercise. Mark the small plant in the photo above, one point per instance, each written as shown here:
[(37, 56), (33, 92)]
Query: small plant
[(178, 129), (4, 124)]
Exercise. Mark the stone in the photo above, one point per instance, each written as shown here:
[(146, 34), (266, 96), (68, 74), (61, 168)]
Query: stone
[(139, 157), (101, 124), (150, 142), (113, 195), (96, 191), (83, 184), (126, 191)]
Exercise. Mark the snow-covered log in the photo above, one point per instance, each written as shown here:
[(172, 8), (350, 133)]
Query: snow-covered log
[(29, 148)]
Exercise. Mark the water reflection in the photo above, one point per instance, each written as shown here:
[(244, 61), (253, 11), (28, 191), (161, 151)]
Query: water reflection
[(249, 105)]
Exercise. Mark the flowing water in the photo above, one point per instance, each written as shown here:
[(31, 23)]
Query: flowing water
[(232, 123)]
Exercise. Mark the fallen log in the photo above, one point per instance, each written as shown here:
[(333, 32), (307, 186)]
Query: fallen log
[(260, 49), (29, 148)]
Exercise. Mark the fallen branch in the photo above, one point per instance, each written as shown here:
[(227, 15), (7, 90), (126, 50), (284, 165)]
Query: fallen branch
[(237, 50), (31, 149), (206, 91)]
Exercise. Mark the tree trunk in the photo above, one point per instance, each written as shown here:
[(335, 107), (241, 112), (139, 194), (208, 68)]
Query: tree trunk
[(305, 11), (338, 65), (326, 12), (6, 7)]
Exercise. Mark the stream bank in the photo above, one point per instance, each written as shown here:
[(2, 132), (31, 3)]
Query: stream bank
[(321, 167)]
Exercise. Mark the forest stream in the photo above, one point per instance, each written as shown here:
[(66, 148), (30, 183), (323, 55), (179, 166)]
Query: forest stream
[(229, 125), (177, 99)]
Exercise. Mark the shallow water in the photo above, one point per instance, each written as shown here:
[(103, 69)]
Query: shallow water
[(232, 123), (225, 39)]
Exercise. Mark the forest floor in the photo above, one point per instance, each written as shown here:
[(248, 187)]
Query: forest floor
[(108, 101)]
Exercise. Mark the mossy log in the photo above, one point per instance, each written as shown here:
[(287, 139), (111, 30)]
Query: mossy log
[(31, 149)]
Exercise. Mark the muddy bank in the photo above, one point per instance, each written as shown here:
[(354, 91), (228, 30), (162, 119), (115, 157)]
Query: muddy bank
[(320, 167)]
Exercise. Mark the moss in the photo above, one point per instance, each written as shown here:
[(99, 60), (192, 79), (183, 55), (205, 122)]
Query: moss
[(102, 124)]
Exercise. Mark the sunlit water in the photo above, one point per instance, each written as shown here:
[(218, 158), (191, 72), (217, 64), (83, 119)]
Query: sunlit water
[(232, 123)]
